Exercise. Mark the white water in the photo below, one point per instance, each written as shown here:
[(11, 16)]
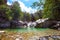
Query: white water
[(32, 24)]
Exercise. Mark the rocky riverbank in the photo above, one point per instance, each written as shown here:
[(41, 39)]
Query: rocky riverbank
[(30, 35)]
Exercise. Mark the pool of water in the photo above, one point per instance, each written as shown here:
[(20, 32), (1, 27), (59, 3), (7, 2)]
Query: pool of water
[(36, 31), (26, 30)]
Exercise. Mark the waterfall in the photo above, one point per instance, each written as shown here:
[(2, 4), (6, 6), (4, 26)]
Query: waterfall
[(31, 25)]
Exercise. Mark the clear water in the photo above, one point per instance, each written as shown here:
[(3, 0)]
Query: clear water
[(30, 32), (27, 30)]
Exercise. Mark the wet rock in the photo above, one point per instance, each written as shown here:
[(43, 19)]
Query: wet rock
[(2, 31), (34, 38), (59, 29), (17, 24), (44, 38), (19, 38), (56, 37), (15, 37), (5, 25)]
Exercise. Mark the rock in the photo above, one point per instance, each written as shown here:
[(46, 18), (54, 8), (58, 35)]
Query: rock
[(34, 38), (15, 37), (18, 24), (56, 37), (20, 38), (5, 25), (2, 32), (44, 38), (59, 29)]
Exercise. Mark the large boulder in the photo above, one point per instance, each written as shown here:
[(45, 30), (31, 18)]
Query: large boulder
[(47, 24), (56, 25), (51, 24), (5, 25), (17, 24)]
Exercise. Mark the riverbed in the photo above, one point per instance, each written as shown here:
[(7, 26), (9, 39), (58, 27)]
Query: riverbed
[(26, 34)]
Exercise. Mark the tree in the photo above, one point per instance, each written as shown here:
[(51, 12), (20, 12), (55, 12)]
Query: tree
[(22, 16), (28, 17), (39, 14), (33, 18), (3, 2), (52, 9), (5, 12), (5, 16), (16, 11), (38, 5)]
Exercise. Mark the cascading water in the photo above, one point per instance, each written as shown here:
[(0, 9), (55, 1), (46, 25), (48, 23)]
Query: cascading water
[(31, 26)]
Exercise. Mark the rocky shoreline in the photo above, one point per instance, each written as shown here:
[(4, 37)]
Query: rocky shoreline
[(29, 35)]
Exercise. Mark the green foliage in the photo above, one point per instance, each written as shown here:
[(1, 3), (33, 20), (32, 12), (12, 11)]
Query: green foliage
[(16, 11), (52, 9), (36, 16), (3, 2), (38, 4), (28, 17), (21, 16), (33, 17), (5, 11), (48, 8)]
